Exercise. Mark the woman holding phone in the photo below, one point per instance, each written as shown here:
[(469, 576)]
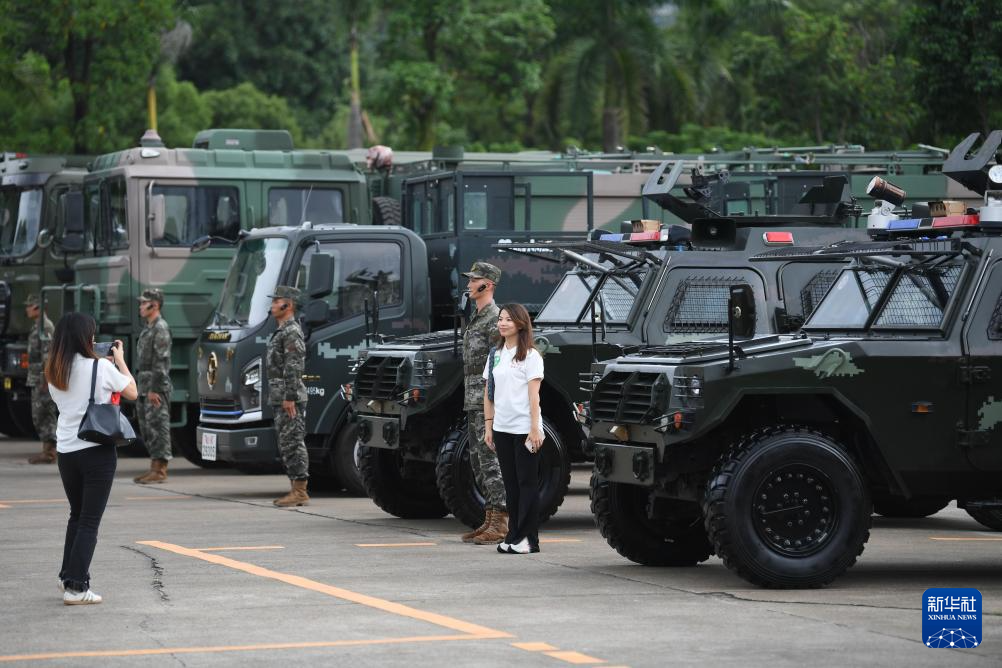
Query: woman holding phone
[(514, 425), (87, 469)]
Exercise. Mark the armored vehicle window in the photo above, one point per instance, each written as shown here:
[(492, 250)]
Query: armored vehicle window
[(699, 305), (919, 299), (570, 302), (293, 206), (20, 217), (252, 277), (197, 211), (804, 285), (995, 324), (850, 301), (358, 265)]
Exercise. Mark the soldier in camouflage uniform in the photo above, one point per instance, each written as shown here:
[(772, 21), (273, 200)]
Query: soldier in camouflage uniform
[(153, 382), (480, 331), (43, 409), (286, 359)]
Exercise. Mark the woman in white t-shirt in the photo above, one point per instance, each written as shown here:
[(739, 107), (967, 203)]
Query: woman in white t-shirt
[(87, 469), (515, 426)]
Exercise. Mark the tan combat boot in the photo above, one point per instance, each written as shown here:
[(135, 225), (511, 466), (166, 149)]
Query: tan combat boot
[(296, 497), (157, 475), (496, 531), (145, 474), (468, 537), (46, 456)]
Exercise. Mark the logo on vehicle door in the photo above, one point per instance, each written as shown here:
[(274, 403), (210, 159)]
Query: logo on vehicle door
[(213, 371)]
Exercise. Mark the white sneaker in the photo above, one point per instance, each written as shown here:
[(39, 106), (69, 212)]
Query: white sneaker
[(521, 547), (80, 597), (503, 548)]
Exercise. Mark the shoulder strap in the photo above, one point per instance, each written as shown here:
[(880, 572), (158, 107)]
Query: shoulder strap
[(93, 381)]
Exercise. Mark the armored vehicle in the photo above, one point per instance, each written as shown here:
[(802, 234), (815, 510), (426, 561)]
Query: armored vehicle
[(771, 451), (622, 291), (36, 249), (351, 275), (169, 218)]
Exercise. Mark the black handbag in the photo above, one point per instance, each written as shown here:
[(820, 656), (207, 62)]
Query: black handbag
[(104, 423)]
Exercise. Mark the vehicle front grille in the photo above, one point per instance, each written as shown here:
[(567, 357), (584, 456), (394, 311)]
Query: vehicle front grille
[(221, 407), (624, 397), (377, 377)]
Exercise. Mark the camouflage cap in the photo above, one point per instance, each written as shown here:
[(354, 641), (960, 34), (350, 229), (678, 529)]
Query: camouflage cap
[(32, 300), (484, 270), (152, 295), (286, 292)]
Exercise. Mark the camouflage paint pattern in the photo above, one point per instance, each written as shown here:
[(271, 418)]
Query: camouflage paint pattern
[(834, 362)]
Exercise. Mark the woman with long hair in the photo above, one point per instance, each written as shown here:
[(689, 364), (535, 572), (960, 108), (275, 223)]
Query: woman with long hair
[(87, 469), (514, 424)]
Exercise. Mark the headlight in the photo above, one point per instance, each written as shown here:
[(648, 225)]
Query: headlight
[(250, 385)]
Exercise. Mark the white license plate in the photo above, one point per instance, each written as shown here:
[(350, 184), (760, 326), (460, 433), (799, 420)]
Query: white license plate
[(208, 446)]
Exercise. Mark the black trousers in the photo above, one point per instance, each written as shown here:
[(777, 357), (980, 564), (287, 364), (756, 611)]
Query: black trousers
[(87, 476), (520, 472)]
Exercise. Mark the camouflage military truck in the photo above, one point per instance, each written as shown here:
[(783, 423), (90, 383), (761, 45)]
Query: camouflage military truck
[(36, 249), (623, 291), (351, 276), (771, 451), (169, 219)]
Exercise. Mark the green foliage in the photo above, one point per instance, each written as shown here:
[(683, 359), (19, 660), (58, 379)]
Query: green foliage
[(244, 106), (694, 138), (182, 110)]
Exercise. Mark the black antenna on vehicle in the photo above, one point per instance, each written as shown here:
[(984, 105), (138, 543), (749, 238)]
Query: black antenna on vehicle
[(594, 353)]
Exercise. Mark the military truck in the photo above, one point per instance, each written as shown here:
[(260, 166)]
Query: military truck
[(622, 291), (771, 451), (36, 249), (169, 219)]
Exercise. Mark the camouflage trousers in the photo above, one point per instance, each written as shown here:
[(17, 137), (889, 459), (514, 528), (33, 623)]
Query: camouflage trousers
[(485, 463), (154, 426), (291, 432), (43, 415)]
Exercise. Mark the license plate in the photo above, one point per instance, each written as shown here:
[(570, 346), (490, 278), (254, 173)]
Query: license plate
[(208, 446)]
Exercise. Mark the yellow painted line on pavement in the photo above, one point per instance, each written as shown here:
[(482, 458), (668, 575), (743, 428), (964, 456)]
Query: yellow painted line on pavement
[(963, 538), (172, 497), (312, 585), (395, 544), (3, 506), (19, 502), (232, 648), (240, 547), (574, 657), (534, 646)]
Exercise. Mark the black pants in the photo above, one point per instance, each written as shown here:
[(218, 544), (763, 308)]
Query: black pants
[(520, 472), (87, 476)]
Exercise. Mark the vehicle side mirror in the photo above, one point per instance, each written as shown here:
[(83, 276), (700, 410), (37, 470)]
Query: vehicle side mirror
[(316, 313), (72, 212), (321, 279), (157, 216), (201, 243)]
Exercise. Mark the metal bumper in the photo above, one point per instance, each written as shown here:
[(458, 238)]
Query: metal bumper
[(379, 432), (630, 464), (257, 445)]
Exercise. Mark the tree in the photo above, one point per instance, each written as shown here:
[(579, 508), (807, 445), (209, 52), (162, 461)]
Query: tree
[(244, 106)]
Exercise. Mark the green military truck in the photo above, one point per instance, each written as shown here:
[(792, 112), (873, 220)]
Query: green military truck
[(36, 249), (622, 291), (772, 451), (170, 218)]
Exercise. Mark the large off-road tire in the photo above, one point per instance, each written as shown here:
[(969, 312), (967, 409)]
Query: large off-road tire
[(185, 443), (386, 211), (987, 517), (675, 538), (915, 507), (787, 507), (344, 460), (457, 485), (17, 420), (409, 497)]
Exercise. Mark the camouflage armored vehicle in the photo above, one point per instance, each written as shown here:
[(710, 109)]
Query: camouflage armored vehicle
[(770, 451), (169, 219), (622, 291), (36, 249), (351, 275)]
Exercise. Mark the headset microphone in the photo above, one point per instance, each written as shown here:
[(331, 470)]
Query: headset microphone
[(482, 287), (283, 307)]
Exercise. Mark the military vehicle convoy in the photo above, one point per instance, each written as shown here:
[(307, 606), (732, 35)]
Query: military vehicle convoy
[(36, 249), (623, 291), (771, 451)]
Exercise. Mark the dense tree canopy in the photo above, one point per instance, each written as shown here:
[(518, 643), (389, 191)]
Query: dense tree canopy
[(75, 75)]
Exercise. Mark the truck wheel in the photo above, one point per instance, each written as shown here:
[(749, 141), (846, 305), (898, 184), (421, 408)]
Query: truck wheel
[(987, 517), (915, 507), (18, 420), (410, 497), (386, 211), (676, 539), (787, 507), (457, 484), (343, 457)]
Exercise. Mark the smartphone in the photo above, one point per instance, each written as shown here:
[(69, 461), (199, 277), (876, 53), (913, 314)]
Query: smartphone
[(103, 349)]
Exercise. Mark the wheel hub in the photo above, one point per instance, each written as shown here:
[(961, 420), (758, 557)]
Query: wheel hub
[(795, 510)]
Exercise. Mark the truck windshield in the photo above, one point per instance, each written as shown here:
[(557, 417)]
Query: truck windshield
[(568, 302), (20, 218), (252, 278)]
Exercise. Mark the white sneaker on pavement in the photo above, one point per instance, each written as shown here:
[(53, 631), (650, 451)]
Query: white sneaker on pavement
[(88, 597)]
